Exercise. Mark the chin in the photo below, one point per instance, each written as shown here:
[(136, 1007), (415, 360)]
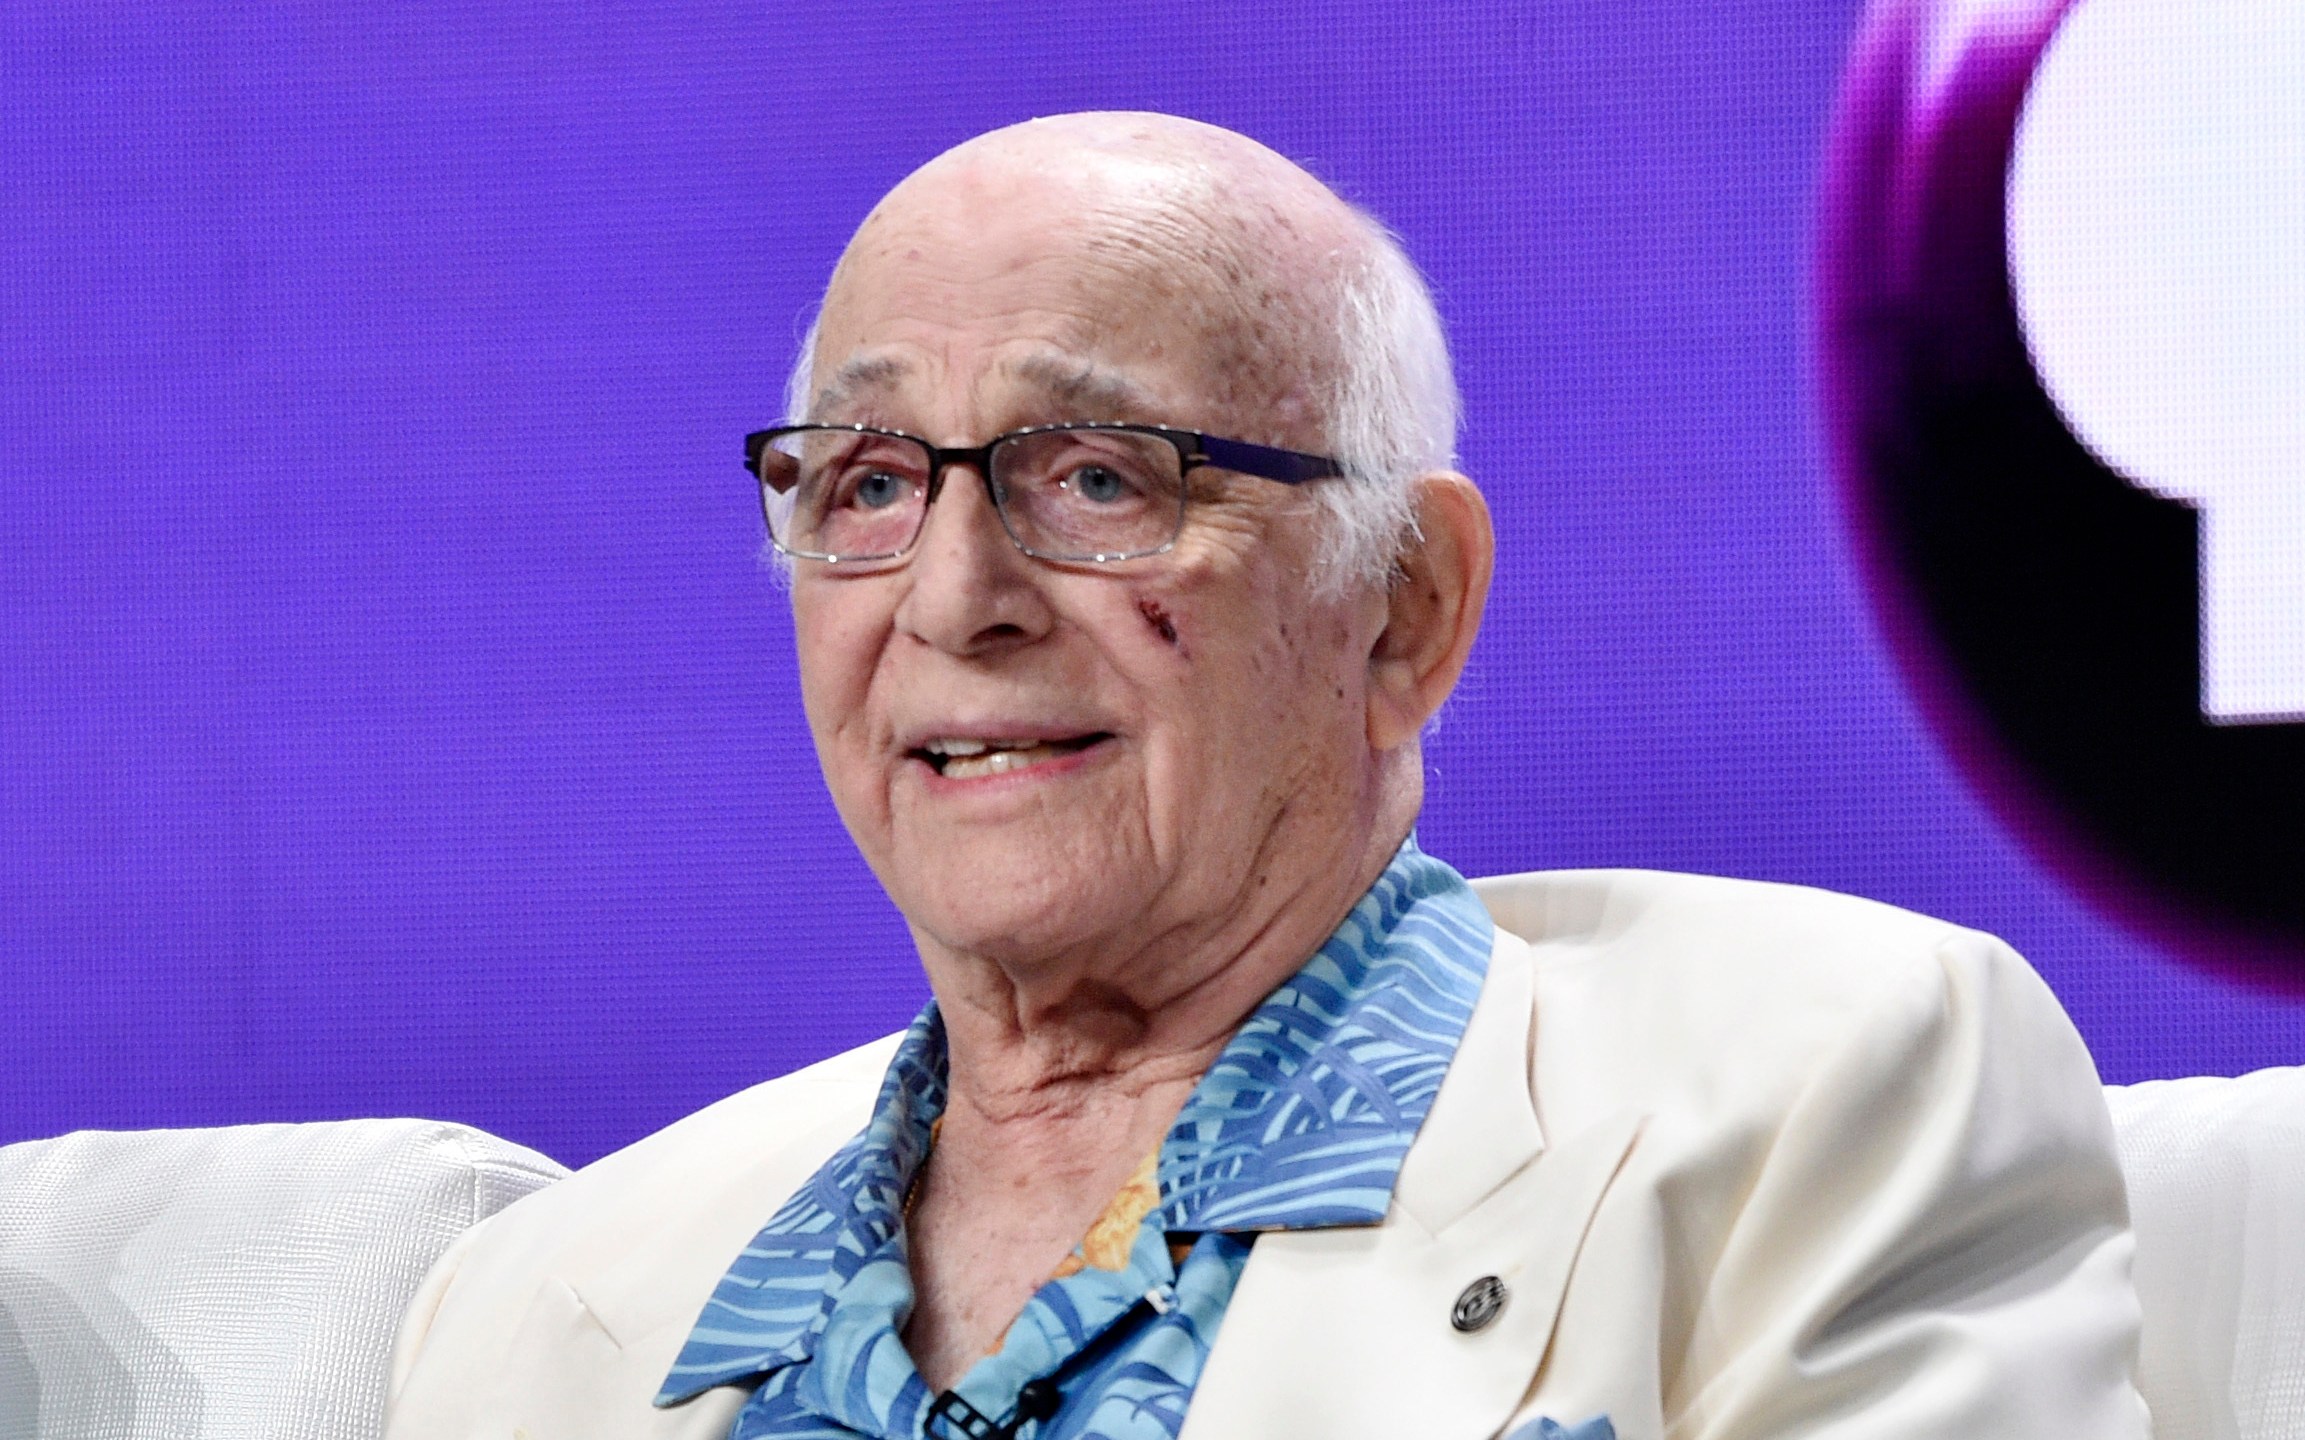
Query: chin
[(1024, 879), (1006, 918)]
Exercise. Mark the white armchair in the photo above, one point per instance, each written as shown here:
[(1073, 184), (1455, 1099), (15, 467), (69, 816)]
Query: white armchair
[(230, 1284), (2216, 1172)]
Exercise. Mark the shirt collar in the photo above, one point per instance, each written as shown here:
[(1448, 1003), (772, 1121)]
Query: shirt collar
[(772, 1304), (1305, 1117), (1302, 1122)]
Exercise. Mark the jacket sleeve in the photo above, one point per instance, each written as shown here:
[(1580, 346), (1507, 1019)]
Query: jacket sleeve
[(1935, 1241), (423, 1309)]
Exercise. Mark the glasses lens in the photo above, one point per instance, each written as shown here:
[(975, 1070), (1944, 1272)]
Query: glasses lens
[(1090, 494), (844, 494)]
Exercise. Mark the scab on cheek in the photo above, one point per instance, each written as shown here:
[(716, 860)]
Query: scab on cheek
[(1156, 615)]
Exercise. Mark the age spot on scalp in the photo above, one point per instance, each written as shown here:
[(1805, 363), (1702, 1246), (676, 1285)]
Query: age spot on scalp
[(1158, 618)]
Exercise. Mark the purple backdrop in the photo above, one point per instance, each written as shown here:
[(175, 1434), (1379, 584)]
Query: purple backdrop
[(396, 715)]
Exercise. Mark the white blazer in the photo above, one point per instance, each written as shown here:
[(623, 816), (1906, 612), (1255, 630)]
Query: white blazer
[(1750, 1160)]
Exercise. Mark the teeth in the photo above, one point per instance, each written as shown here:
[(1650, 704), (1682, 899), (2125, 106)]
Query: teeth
[(997, 762), (977, 747)]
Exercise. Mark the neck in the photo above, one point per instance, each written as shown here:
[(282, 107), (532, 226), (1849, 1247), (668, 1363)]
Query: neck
[(1036, 1044)]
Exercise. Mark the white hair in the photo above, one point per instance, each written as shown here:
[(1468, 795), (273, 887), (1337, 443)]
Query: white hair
[(1394, 412), (1391, 414)]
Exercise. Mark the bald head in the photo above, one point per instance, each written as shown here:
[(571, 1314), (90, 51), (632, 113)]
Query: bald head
[(1188, 194), (1158, 235), (1133, 158)]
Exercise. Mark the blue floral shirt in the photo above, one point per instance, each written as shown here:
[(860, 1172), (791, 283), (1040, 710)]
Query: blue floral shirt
[(1302, 1122)]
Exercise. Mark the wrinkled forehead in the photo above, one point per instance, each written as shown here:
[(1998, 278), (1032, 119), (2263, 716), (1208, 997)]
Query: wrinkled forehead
[(1038, 383)]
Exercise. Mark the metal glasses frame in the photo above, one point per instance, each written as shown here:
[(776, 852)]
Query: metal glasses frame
[(1194, 451)]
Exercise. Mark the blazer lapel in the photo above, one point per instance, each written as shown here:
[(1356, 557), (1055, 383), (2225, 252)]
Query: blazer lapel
[(1346, 1333)]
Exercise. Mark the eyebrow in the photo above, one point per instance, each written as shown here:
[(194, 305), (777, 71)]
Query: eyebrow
[(853, 378), (1086, 390), (1081, 385)]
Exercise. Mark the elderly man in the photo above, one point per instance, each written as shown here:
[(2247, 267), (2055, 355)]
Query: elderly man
[(1127, 566)]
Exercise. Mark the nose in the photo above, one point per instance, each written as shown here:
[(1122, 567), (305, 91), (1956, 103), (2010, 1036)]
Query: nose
[(969, 590)]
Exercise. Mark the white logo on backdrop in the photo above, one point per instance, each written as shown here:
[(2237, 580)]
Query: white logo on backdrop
[(2157, 249)]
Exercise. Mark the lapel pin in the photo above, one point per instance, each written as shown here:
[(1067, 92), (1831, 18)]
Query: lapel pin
[(1479, 1304)]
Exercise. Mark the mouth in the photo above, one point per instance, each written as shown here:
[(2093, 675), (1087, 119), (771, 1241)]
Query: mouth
[(958, 758)]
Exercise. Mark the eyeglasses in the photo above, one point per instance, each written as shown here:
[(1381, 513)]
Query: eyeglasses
[(1086, 493)]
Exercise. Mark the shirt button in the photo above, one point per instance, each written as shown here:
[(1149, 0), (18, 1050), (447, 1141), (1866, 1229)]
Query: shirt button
[(1480, 1303)]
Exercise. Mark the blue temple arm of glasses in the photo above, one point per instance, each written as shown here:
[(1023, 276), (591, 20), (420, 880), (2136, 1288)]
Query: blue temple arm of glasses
[(1290, 467)]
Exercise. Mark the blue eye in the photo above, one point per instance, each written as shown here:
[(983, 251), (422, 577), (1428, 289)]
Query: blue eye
[(1097, 483), (877, 490)]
